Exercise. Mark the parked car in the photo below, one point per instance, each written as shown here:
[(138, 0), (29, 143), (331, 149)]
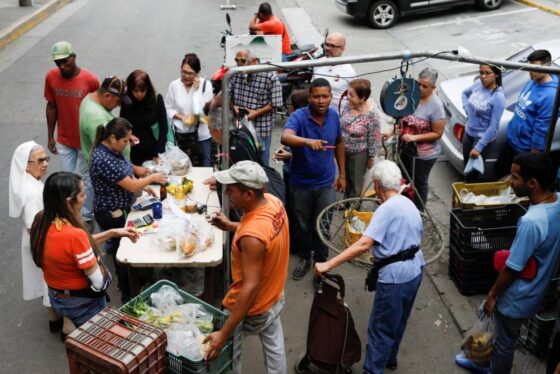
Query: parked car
[(382, 14), (513, 81)]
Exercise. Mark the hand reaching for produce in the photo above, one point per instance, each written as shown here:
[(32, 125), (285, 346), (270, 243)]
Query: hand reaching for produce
[(211, 182), (216, 341), (128, 232)]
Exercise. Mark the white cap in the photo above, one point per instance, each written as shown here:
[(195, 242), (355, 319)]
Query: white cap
[(247, 173)]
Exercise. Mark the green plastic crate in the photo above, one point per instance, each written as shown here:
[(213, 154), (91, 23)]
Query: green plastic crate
[(228, 358)]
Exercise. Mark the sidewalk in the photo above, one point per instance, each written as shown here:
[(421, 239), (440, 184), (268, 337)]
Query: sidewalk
[(16, 21)]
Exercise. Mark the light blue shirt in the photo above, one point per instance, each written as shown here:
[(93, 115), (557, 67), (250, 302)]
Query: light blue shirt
[(538, 235), (395, 226)]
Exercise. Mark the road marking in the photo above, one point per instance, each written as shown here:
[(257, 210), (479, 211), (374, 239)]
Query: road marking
[(470, 19)]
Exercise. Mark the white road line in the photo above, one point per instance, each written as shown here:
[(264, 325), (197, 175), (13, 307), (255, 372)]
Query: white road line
[(470, 19)]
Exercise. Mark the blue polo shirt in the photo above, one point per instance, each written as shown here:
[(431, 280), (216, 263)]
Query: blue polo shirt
[(538, 236), (311, 169), (106, 169)]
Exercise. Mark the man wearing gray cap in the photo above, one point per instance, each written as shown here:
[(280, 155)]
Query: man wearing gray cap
[(65, 87), (259, 263)]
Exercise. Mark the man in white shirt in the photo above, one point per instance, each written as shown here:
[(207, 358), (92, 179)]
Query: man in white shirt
[(338, 75)]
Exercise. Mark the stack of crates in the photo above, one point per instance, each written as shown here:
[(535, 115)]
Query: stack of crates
[(229, 358), (475, 235), (113, 342), (537, 333)]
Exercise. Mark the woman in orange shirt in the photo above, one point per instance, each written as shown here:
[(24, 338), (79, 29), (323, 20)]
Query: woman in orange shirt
[(68, 254)]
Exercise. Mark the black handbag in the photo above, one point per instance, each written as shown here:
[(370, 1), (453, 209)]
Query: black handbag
[(373, 273)]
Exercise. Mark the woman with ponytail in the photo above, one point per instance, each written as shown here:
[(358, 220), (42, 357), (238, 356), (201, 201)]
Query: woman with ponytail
[(115, 185), (68, 254)]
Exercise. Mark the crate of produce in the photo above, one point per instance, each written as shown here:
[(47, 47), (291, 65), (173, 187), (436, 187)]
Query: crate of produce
[(231, 353), (537, 333), (113, 342), (491, 189), (484, 230), (351, 235)]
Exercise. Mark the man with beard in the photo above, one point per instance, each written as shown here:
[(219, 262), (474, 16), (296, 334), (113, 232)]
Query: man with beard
[(313, 133), (512, 299), (65, 87)]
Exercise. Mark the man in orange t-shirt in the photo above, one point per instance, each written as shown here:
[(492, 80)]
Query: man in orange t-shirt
[(259, 263), (268, 24)]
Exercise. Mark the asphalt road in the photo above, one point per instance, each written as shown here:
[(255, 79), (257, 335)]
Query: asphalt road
[(119, 36)]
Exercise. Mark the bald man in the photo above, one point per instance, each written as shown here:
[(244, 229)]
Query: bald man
[(338, 75)]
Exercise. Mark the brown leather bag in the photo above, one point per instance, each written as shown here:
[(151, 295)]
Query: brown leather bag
[(332, 340)]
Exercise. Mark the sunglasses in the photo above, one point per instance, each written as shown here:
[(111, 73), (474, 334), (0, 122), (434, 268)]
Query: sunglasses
[(329, 45), (240, 60), (40, 161)]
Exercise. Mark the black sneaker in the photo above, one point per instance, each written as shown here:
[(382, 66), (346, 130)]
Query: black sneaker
[(301, 269)]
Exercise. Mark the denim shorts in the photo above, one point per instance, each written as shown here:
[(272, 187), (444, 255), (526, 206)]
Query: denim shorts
[(78, 309)]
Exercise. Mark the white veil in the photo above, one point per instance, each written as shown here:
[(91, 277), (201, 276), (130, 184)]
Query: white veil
[(20, 180)]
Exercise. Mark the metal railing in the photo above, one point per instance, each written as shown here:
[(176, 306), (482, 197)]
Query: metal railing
[(403, 55)]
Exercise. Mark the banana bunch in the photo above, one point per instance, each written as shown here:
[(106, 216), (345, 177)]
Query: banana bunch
[(188, 185)]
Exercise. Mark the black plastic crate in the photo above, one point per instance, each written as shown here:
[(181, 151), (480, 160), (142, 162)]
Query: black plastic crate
[(552, 295), (471, 284), (484, 230), (537, 333)]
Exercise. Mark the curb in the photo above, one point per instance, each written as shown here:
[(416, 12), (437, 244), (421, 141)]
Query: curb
[(540, 6), (23, 25)]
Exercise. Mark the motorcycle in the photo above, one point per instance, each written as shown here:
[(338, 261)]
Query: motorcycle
[(290, 80)]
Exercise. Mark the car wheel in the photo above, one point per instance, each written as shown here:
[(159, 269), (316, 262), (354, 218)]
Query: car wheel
[(489, 4), (383, 14)]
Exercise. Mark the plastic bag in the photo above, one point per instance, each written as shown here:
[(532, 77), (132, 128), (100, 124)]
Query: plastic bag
[(166, 298), (478, 343), (175, 160)]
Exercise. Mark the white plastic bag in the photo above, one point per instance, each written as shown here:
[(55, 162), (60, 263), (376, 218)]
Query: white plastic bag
[(175, 160), (165, 299)]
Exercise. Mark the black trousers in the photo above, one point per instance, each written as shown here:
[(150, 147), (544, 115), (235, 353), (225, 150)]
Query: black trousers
[(419, 171)]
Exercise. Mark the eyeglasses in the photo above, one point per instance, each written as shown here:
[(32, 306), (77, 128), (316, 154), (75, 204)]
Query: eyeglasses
[(240, 60), (329, 45), (187, 73), (485, 73), (39, 161)]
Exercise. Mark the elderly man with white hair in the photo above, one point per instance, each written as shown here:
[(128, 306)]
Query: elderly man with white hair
[(393, 236), (339, 76)]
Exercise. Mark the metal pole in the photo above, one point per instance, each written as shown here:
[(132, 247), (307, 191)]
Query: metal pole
[(227, 6), (553, 119), (406, 55)]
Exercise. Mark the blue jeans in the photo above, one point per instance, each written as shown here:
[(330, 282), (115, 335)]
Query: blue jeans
[(506, 330), (206, 147), (87, 209), (78, 309), (391, 308), (265, 154), (306, 207), (68, 158)]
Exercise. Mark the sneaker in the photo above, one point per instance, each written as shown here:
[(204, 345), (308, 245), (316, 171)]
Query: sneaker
[(465, 363), (301, 269), (392, 365)]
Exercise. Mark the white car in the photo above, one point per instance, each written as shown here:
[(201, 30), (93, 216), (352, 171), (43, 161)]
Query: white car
[(513, 81)]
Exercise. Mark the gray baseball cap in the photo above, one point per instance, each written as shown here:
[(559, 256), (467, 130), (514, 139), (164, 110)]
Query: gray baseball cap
[(247, 173)]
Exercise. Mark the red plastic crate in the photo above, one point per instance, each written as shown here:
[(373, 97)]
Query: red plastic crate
[(113, 342)]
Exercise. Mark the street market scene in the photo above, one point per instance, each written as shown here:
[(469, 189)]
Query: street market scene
[(292, 186)]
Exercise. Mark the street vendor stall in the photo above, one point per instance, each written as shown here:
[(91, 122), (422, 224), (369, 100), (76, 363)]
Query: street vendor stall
[(159, 244)]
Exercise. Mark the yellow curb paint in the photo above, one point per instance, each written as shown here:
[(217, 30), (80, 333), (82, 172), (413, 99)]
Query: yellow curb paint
[(540, 6), (31, 22)]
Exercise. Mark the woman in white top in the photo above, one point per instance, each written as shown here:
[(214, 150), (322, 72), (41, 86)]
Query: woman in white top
[(29, 166), (184, 102)]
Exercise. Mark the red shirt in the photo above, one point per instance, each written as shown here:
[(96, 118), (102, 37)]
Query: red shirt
[(67, 254), (275, 27), (67, 94)]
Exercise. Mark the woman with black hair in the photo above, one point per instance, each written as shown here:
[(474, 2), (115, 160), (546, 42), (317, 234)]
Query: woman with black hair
[(148, 117), (484, 103), (114, 184), (69, 254), (184, 101)]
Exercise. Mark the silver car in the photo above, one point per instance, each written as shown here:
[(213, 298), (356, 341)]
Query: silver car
[(513, 81)]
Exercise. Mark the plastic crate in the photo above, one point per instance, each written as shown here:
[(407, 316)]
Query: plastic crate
[(231, 353), (471, 284), (488, 189), (552, 295), (537, 333), (484, 230), (113, 342)]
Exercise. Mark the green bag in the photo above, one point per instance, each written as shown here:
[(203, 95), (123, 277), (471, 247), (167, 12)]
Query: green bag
[(170, 132)]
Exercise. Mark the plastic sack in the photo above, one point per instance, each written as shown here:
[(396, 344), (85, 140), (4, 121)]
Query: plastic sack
[(166, 298), (184, 341), (478, 343), (175, 160)]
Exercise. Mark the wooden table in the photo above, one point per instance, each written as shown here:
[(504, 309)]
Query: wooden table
[(146, 254)]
